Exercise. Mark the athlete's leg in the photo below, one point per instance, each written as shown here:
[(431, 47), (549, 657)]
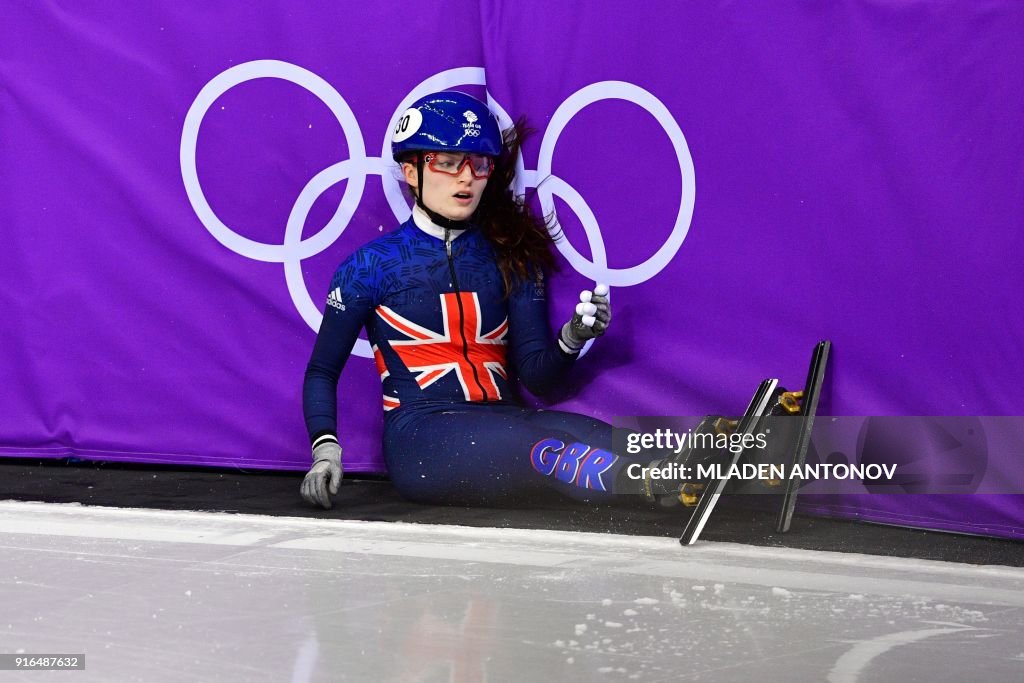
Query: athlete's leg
[(634, 476), (588, 429), (492, 454)]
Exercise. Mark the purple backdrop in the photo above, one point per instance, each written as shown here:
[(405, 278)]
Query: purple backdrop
[(855, 172)]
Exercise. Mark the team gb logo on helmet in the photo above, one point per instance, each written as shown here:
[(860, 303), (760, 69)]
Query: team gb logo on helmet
[(471, 127), (404, 123)]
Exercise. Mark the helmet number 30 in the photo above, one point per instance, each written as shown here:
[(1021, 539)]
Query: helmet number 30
[(408, 124)]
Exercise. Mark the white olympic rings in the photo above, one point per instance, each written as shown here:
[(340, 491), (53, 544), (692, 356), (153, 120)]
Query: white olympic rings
[(295, 249)]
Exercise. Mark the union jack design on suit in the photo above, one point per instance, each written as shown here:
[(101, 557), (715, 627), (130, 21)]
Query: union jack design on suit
[(473, 355)]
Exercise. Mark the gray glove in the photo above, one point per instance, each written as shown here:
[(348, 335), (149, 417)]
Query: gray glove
[(324, 476), (591, 319)]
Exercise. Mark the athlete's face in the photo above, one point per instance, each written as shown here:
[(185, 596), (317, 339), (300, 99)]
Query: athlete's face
[(453, 196)]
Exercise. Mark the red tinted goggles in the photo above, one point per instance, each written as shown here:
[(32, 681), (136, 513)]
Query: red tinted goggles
[(480, 165)]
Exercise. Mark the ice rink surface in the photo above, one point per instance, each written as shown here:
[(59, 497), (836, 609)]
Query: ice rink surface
[(191, 596)]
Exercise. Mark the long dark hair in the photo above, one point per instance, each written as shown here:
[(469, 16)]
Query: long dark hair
[(521, 239)]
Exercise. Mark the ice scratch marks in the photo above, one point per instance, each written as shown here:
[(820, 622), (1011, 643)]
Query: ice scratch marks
[(849, 667)]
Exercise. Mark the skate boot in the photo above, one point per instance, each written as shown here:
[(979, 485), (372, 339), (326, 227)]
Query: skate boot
[(683, 477), (680, 478)]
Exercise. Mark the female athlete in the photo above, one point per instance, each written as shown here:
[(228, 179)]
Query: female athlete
[(454, 302)]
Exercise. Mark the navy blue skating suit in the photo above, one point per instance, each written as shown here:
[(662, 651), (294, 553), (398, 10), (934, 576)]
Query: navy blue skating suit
[(448, 344)]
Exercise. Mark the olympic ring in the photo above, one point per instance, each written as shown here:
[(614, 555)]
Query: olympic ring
[(598, 269), (295, 249), (223, 82)]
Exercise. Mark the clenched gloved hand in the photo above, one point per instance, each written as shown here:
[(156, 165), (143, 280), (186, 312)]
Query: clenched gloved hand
[(324, 477), (593, 313)]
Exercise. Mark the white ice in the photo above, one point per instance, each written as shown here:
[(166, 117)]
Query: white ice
[(152, 595)]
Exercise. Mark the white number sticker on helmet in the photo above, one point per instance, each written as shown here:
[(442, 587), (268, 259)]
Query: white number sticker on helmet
[(408, 124)]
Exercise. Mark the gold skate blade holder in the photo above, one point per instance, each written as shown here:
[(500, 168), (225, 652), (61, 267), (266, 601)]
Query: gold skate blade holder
[(724, 426), (690, 494), (790, 401)]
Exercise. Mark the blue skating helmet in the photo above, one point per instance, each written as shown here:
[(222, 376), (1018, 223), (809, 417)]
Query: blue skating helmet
[(447, 121)]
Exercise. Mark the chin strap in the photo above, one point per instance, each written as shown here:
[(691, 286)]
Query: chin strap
[(437, 218)]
